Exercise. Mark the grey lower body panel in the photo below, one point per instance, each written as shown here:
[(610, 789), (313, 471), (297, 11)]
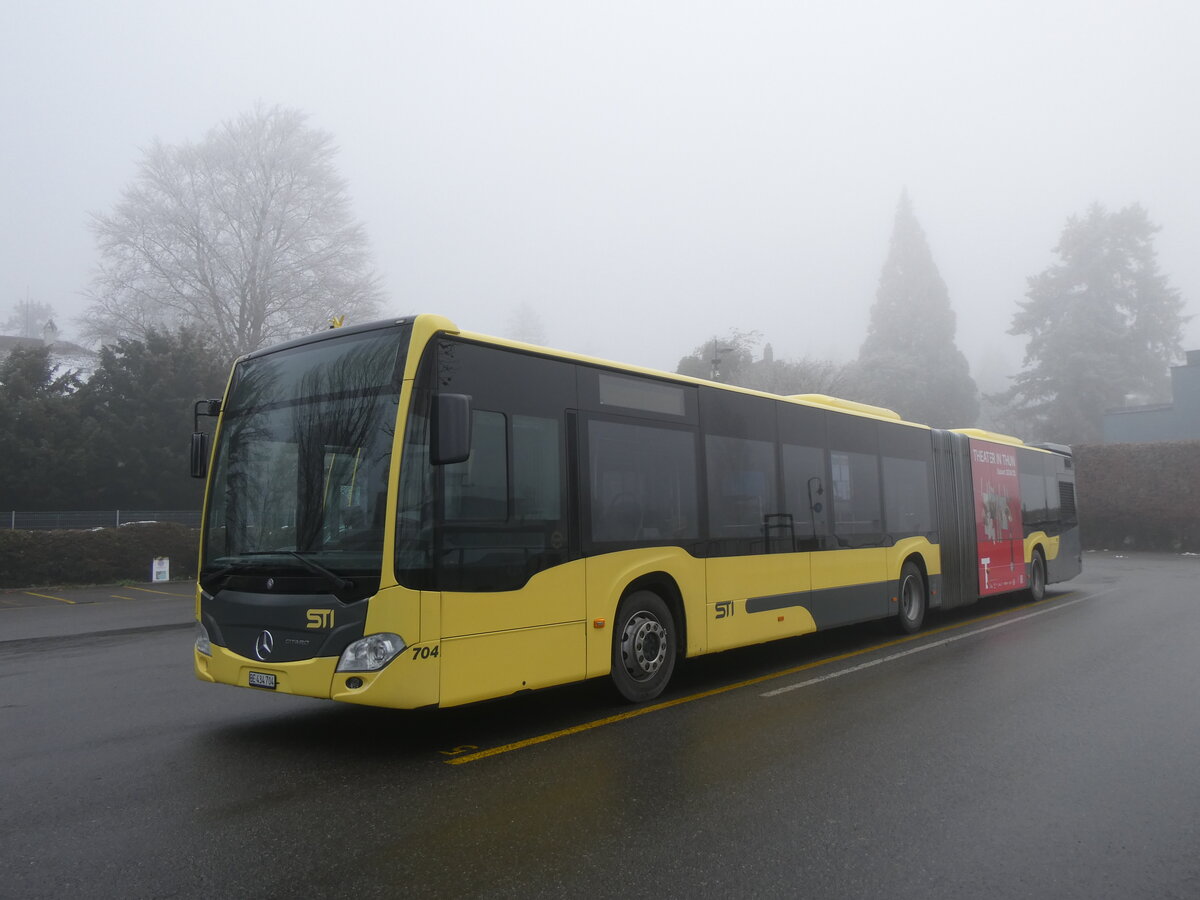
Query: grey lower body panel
[(832, 606)]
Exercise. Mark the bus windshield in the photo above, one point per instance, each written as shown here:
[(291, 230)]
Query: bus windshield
[(301, 465)]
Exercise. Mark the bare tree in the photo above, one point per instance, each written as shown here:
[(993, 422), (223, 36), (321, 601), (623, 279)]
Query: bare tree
[(246, 235)]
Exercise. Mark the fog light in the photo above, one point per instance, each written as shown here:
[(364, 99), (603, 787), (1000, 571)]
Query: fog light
[(354, 683)]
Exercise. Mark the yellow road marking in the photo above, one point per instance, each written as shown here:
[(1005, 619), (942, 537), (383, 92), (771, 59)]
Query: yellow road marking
[(149, 591), (48, 597), (679, 701), (119, 597)]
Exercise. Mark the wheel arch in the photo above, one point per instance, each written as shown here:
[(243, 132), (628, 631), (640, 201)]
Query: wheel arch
[(917, 559), (666, 587)]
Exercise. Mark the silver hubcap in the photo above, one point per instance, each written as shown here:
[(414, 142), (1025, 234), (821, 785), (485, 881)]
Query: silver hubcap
[(909, 598), (643, 645)]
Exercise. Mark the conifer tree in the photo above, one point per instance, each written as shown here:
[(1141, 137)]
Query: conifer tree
[(1103, 324), (909, 361)]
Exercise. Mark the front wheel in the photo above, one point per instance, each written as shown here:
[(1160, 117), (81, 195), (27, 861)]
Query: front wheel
[(643, 653), (912, 599)]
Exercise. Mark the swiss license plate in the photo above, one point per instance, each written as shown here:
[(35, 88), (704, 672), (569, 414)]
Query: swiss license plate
[(262, 680)]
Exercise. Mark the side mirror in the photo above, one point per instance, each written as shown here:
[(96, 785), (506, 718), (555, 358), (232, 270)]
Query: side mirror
[(199, 454), (451, 429), (199, 438)]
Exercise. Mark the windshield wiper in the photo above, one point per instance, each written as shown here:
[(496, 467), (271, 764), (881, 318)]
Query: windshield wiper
[(335, 581)]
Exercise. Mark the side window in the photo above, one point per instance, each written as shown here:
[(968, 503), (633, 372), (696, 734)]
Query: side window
[(536, 478), (641, 483), (855, 496), (503, 512), (804, 493), (853, 491), (742, 487), (1033, 491), (1053, 499), (906, 500), (477, 489)]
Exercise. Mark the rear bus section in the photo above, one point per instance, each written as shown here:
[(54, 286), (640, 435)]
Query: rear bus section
[(1007, 513)]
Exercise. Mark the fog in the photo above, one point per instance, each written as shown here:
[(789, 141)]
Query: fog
[(641, 175)]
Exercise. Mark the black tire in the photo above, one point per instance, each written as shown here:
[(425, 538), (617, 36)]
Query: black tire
[(912, 599), (1037, 577), (643, 652)]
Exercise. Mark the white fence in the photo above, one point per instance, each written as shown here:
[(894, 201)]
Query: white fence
[(104, 518)]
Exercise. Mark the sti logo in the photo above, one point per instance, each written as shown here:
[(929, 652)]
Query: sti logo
[(320, 618)]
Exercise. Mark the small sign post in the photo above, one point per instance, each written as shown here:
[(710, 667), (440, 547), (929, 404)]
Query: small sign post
[(161, 570)]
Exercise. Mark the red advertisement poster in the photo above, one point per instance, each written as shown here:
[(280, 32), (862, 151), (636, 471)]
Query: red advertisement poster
[(998, 530)]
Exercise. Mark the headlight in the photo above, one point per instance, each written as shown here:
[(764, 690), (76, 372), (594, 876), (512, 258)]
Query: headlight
[(371, 653), (203, 644)]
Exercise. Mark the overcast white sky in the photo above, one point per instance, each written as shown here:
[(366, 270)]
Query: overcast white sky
[(644, 175)]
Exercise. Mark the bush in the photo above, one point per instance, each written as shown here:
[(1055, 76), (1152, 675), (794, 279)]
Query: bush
[(105, 555), (1139, 496)]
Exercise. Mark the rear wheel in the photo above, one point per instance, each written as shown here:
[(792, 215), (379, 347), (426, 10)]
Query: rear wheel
[(1037, 576), (912, 599), (643, 653)]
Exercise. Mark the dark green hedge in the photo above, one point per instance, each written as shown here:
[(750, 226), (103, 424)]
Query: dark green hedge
[(1139, 496), (31, 558)]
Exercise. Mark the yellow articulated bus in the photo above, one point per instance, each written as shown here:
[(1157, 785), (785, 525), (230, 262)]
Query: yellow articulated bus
[(405, 514)]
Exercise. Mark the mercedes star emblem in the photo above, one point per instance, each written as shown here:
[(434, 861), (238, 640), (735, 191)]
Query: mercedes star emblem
[(264, 645)]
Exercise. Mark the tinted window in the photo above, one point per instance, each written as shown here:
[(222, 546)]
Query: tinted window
[(1032, 469), (1053, 500), (737, 415), (856, 514), (854, 485), (742, 487), (477, 489), (804, 493), (641, 483), (536, 476), (906, 500), (503, 511), (802, 429), (907, 460)]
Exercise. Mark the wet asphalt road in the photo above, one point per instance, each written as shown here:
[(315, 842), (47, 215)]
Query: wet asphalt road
[(1011, 750)]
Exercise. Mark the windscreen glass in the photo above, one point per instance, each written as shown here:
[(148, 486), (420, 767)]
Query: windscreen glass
[(302, 461)]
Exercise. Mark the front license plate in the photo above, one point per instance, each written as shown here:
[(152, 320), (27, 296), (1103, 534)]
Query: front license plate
[(262, 680)]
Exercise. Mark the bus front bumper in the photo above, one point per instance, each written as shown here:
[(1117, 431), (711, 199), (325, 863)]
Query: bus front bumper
[(407, 682)]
